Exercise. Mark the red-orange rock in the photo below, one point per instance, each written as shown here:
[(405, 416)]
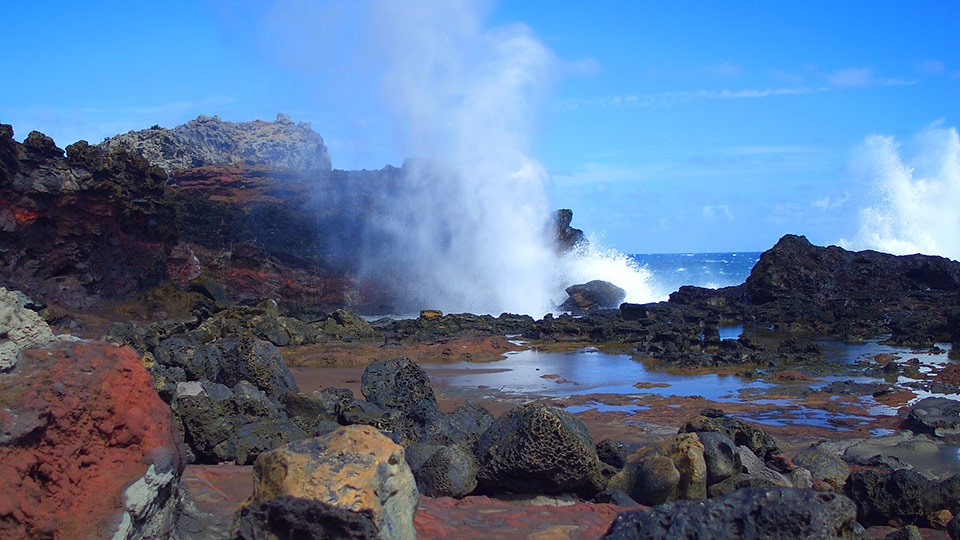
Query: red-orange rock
[(80, 422)]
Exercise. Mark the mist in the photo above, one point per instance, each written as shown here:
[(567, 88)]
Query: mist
[(915, 194), (467, 226)]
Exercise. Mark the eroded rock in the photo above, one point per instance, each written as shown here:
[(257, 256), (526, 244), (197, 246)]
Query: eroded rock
[(355, 468)]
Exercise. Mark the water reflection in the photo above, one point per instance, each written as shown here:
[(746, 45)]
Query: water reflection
[(586, 371)]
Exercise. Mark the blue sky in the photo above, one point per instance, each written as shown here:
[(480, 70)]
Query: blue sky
[(666, 126)]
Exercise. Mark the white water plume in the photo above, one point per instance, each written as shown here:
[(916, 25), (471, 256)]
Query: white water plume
[(589, 261), (467, 226), (917, 195)]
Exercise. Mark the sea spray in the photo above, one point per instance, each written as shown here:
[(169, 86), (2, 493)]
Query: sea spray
[(466, 228), (590, 260), (917, 194)]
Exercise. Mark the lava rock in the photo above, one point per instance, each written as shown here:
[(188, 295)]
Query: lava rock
[(823, 465), (538, 449), (593, 295), (903, 494), (354, 468), (937, 416), (720, 455), (294, 517), (746, 513), (396, 384), (451, 471), (664, 471), (87, 448), (741, 433)]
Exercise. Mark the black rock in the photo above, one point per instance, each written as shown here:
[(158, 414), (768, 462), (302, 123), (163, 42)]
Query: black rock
[(746, 513), (538, 449), (593, 295), (294, 517), (396, 384), (903, 494), (935, 415), (450, 472), (741, 433)]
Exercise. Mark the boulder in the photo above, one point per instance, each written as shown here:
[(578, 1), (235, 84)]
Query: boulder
[(451, 471), (354, 468), (720, 455), (593, 295), (87, 448), (746, 513), (664, 471), (741, 433), (538, 449), (294, 517), (903, 494), (20, 328), (396, 384), (823, 465), (221, 424), (937, 416)]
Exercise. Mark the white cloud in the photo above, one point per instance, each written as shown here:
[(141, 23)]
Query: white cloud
[(717, 212), (831, 202)]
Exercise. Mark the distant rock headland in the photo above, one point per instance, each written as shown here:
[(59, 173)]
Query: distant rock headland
[(210, 141)]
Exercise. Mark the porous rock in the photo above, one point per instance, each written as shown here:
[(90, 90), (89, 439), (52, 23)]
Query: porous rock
[(538, 449), (395, 384), (208, 140), (356, 468), (451, 471), (87, 448), (746, 513)]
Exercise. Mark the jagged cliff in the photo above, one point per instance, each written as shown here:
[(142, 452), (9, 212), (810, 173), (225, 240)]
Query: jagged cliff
[(209, 141), (102, 222)]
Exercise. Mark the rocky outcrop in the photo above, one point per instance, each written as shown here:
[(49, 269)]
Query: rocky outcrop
[(208, 140), (87, 448), (856, 293), (20, 328), (565, 236), (355, 468), (746, 513), (596, 294)]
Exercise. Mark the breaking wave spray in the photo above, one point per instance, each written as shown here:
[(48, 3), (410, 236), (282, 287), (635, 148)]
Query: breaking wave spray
[(917, 194), (468, 225)]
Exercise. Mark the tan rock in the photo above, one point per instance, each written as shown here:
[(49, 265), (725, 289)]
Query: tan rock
[(354, 467), (665, 471)]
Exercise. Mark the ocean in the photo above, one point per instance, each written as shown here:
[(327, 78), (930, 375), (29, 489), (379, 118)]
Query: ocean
[(669, 271)]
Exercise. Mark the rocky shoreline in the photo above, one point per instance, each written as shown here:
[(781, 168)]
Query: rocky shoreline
[(154, 375)]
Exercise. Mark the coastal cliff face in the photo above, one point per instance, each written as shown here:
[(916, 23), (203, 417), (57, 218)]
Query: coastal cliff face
[(254, 207)]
